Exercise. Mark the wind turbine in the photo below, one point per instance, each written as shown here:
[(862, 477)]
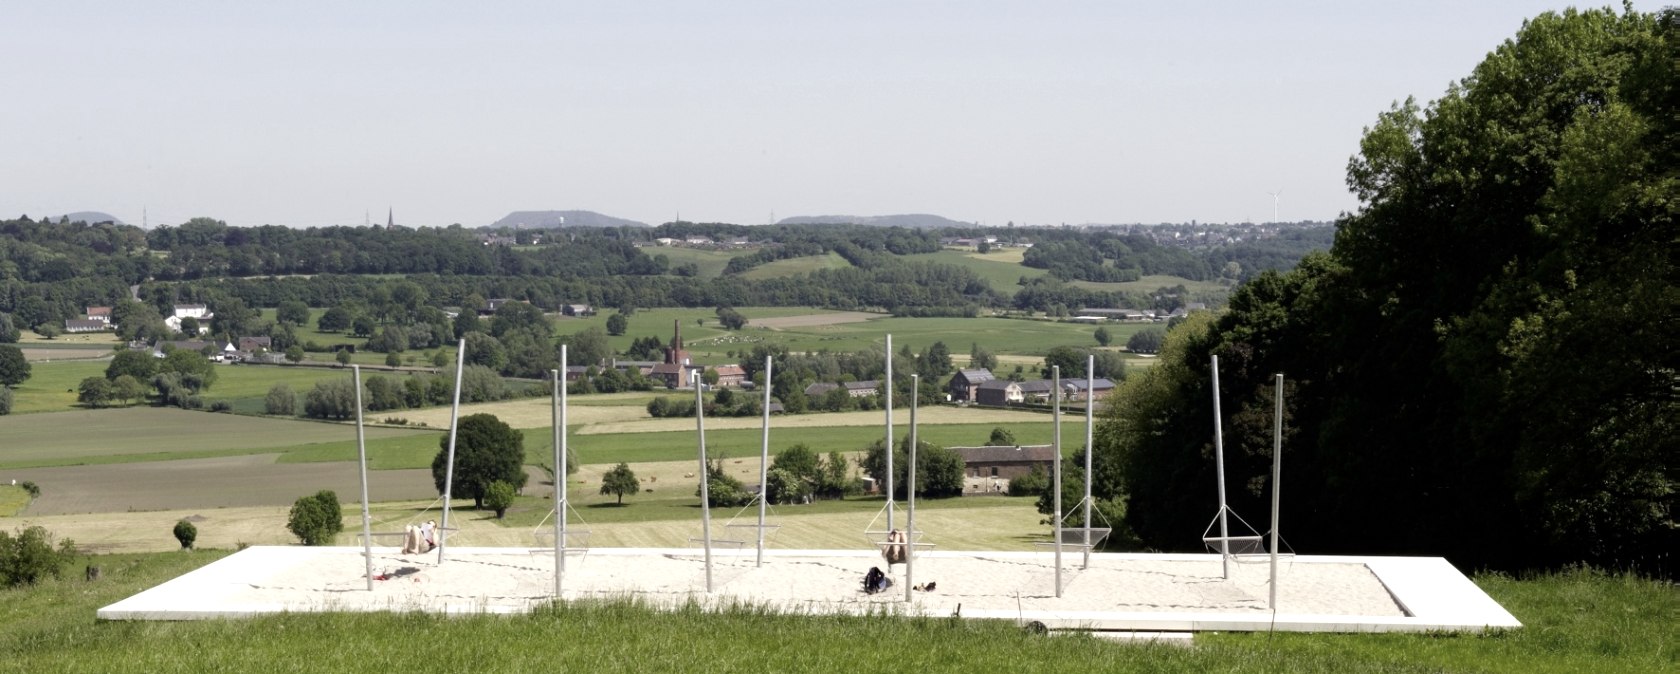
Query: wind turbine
[(1275, 196)]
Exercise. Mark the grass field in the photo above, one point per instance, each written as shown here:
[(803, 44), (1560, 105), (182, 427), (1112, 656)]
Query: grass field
[(796, 265), (12, 500), (1578, 621), (92, 436), (52, 386), (710, 262), (1151, 283), (1001, 268)]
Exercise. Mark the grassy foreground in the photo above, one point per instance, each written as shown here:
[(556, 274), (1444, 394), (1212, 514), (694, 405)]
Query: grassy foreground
[(1577, 621)]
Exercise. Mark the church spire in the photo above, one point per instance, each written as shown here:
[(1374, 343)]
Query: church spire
[(390, 219)]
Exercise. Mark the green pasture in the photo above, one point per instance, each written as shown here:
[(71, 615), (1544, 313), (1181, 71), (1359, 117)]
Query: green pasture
[(13, 500), (1152, 283), (1001, 336), (678, 502), (1001, 268), (162, 433), (1576, 621), (710, 262), (796, 265), (51, 387)]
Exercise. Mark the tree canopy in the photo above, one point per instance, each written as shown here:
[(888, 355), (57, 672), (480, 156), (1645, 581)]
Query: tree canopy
[(1484, 365), (486, 450)]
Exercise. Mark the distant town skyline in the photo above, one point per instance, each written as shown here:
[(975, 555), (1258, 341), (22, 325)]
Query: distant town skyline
[(312, 113)]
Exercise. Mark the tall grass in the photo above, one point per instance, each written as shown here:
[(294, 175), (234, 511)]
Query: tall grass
[(1578, 621)]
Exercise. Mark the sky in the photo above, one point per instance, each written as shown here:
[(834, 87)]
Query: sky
[(322, 113)]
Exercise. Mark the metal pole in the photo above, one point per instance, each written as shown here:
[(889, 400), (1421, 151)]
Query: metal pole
[(910, 518), (1090, 396), (764, 462), (454, 421), (1277, 474), (564, 504), (361, 454), (1056, 471), (889, 386), (705, 477), (1219, 467)]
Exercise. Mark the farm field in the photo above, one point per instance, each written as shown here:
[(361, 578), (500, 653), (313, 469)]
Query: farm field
[(710, 262), (51, 387), (93, 436), (1001, 267), (1151, 283), (796, 265), (998, 335)]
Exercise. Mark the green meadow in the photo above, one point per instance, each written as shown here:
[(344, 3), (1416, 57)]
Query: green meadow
[(1576, 621)]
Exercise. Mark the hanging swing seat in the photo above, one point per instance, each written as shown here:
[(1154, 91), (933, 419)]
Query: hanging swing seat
[(1076, 538), (1251, 544)]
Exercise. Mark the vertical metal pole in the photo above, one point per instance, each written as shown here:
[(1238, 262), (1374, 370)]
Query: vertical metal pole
[(1090, 397), (764, 462), (1219, 467), (1277, 474), (889, 385), (564, 505), (454, 421), (1056, 471), (910, 484), (361, 454), (705, 477)]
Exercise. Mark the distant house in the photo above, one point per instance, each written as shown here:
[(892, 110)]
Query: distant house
[(576, 372), (731, 375), (578, 310), (85, 325), (965, 383), (255, 344), (820, 388), (174, 323), (102, 314), (698, 241), (665, 241), (1005, 462), (642, 367), (1037, 390), (863, 389), (192, 311), (491, 305), (998, 392), (1074, 389), (672, 375)]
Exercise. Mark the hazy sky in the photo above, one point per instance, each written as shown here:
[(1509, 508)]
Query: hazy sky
[(305, 113)]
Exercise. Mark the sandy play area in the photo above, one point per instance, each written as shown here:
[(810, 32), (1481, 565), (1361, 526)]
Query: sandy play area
[(1117, 591)]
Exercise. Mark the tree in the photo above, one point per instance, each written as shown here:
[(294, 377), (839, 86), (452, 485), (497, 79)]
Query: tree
[(499, 497), (30, 556), (1001, 437), (335, 319), (9, 333), (620, 482), (330, 399), (94, 392), (1449, 351), (189, 327), (342, 356), (135, 363), (14, 369), (127, 388), (363, 326), (196, 372), (709, 376), (979, 358), (589, 347), (294, 353), (392, 359), (185, 533), (486, 450), (1103, 338), (49, 330), (280, 400), (482, 349), (292, 311), (617, 324), (939, 470), (722, 489), (5, 401), (1147, 340), (801, 468), (316, 519), (730, 318)]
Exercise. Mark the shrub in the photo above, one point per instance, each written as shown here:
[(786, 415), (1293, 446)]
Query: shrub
[(1031, 484), (33, 489), (498, 497), (280, 400), (186, 533), (316, 519), (221, 406), (30, 556)]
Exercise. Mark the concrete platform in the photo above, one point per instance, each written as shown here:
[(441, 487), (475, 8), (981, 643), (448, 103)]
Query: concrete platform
[(1118, 592)]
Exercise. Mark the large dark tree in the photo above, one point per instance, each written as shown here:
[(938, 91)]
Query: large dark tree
[(486, 450), (1485, 364), (14, 369)]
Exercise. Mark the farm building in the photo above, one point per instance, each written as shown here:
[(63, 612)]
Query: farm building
[(1005, 462), (965, 383)]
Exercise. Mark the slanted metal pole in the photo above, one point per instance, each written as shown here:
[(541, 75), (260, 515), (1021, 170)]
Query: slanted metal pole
[(1219, 468), (563, 506), (889, 386), (910, 484), (442, 532), (1277, 474), (705, 478), (361, 454), (1090, 396), (764, 462), (1056, 471)]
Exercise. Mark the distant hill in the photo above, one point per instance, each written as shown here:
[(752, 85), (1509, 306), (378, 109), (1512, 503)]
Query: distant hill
[(555, 219), (89, 217), (910, 220)]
